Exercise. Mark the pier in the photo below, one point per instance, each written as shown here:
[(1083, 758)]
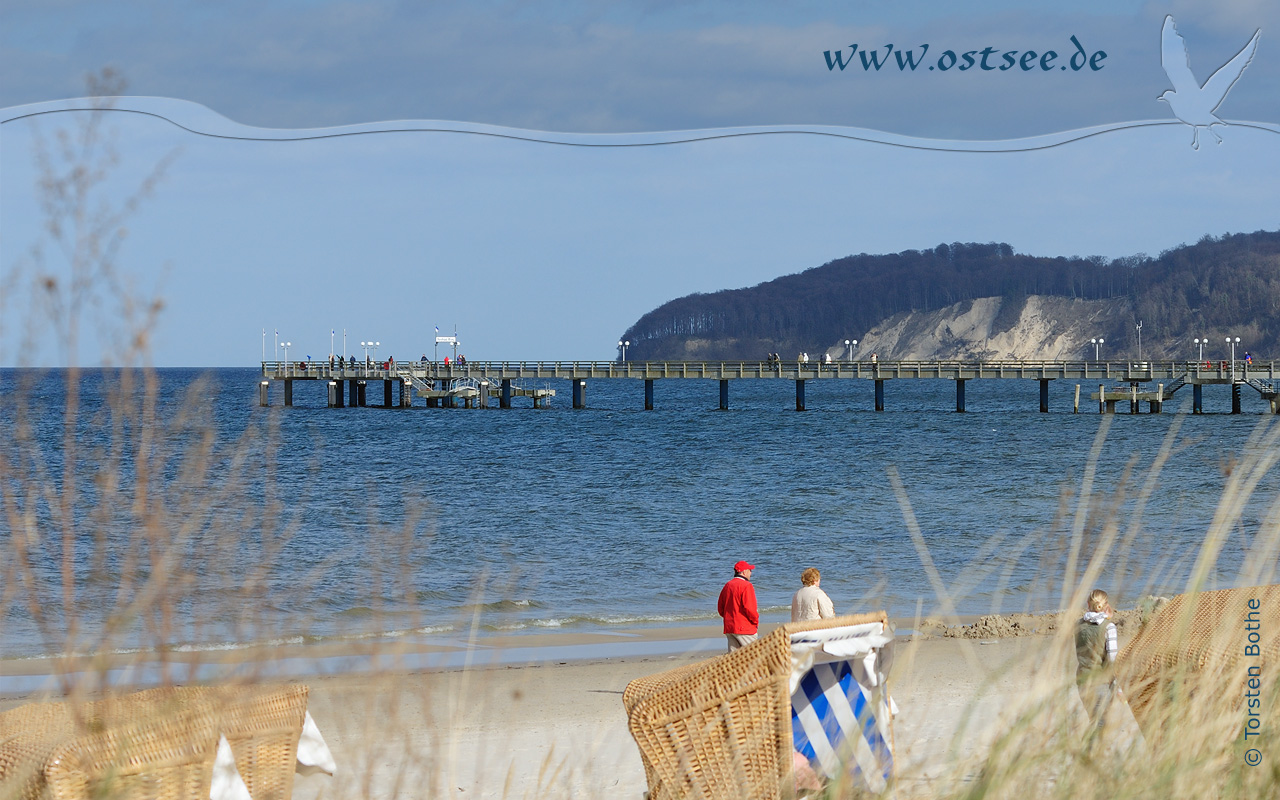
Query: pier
[(475, 384)]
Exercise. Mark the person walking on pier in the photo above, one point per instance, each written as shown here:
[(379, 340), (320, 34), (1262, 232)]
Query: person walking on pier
[(810, 602), (737, 605)]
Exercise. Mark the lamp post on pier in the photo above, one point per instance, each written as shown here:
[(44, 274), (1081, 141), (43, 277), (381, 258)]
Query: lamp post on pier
[(1232, 343), (623, 345), (849, 344), (1097, 345), (1139, 327), (1201, 342), (288, 366)]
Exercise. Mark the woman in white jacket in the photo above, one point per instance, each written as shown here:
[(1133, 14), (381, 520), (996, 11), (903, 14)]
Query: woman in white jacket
[(810, 602)]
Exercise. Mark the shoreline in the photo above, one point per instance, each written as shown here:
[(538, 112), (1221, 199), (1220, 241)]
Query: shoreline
[(451, 651)]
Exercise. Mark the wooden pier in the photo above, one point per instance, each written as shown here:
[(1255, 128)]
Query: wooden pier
[(476, 383)]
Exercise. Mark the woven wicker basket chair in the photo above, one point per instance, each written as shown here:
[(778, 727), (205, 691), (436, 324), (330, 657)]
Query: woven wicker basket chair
[(722, 729), (1200, 640), (159, 744)]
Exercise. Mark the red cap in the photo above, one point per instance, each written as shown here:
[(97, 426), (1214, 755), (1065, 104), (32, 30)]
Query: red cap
[(742, 566)]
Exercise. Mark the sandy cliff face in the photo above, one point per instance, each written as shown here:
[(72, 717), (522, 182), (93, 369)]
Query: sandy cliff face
[(990, 328)]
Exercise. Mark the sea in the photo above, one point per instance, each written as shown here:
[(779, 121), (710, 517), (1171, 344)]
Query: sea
[(192, 518)]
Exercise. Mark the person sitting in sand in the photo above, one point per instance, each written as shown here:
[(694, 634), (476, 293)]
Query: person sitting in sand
[(1096, 646), (810, 602)]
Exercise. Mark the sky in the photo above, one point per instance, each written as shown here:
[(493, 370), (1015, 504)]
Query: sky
[(526, 214)]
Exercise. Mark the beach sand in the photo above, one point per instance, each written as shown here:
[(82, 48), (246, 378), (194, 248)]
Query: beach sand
[(557, 728)]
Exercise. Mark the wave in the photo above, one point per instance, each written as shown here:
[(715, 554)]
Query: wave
[(591, 620), (502, 605), (219, 646), (356, 611)]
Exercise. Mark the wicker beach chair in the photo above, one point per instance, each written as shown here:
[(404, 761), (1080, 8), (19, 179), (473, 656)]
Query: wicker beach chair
[(160, 743), (728, 728), (1201, 642)]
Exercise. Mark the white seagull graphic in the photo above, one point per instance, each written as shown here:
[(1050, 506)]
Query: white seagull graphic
[(1192, 103)]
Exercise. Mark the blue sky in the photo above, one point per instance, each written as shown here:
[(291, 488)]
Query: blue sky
[(547, 251)]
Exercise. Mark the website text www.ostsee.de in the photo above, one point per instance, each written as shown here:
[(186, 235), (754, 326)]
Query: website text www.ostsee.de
[(1076, 58)]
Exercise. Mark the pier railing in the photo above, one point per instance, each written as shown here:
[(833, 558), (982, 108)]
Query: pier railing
[(1127, 371)]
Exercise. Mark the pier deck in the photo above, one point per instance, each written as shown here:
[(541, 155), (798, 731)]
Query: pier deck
[(476, 381)]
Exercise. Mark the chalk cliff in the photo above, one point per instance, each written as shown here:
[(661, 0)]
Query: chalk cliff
[(991, 328)]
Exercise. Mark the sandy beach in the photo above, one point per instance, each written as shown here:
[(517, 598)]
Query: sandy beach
[(559, 729), (556, 727)]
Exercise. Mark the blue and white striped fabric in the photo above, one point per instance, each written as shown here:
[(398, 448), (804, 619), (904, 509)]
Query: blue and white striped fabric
[(841, 725)]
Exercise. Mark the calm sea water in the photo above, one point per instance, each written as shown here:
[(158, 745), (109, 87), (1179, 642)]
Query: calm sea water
[(584, 520)]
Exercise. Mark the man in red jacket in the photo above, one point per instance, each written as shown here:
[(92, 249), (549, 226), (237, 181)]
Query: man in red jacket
[(738, 607)]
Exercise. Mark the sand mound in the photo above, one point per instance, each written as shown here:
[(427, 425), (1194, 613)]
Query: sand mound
[(1005, 626)]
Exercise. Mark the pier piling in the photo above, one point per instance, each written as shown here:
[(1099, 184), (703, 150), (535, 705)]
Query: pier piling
[(335, 394), (1235, 398), (960, 395), (361, 391), (800, 394), (724, 395), (1102, 399), (579, 389), (263, 396), (504, 401), (879, 394), (1044, 395), (1133, 398), (648, 394), (1197, 399), (1075, 408), (288, 392)]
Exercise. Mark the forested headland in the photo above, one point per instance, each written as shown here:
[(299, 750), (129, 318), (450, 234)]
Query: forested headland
[(1219, 286)]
